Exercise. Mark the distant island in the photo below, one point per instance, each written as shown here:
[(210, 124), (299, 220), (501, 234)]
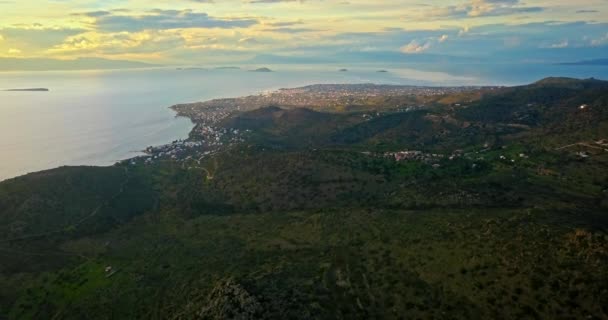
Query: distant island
[(343, 70), (228, 68), (191, 68), (382, 71), (29, 89), (262, 70), (594, 62)]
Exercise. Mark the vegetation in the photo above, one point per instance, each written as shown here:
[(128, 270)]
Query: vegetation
[(503, 216)]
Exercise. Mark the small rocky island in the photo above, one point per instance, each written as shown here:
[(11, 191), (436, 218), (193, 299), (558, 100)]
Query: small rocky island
[(262, 70), (343, 70), (30, 89)]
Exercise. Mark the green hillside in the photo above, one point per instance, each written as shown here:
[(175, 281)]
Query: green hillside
[(497, 211)]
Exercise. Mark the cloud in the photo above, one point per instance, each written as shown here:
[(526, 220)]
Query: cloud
[(158, 19), (94, 14), (561, 44), (418, 46), (415, 47), (464, 28), (603, 40), (13, 51), (291, 30), (464, 31), (284, 23), (476, 9), (248, 40), (151, 41), (36, 35), (272, 1), (498, 8)]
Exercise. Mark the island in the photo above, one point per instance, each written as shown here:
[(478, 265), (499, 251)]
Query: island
[(191, 68), (343, 70), (228, 68), (30, 89), (594, 62), (382, 71), (261, 70)]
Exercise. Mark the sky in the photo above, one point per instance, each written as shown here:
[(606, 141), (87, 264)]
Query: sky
[(201, 32)]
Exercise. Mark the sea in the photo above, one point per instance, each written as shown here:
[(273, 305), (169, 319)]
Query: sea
[(101, 117)]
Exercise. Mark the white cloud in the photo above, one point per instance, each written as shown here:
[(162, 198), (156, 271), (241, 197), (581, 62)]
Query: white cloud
[(464, 31), (415, 47), (600, 41), (562, 44), (248, 40)]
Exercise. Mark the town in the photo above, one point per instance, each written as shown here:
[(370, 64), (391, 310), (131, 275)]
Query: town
[(209, 135)]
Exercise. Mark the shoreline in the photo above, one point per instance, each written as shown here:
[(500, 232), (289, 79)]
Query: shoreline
[(208, 136), (205, 115)]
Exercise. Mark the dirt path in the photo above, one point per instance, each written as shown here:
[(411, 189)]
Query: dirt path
[(584, 144)]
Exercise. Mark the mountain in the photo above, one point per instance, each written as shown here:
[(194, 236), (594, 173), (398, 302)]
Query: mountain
[(42, 64), (261, 70), (594, 62), (484, 203)]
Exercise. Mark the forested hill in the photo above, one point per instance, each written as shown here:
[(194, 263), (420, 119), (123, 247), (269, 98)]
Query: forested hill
[(485, 203)]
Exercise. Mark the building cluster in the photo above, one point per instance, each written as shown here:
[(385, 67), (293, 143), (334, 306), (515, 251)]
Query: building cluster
[(174, 150), (204, 141), (354, 94), (177, 150), (413, 155), (315, 96), (334, 91), (212, 136), (206, 137)]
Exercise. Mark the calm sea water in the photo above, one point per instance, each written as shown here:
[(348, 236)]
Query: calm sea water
[(100, 117)]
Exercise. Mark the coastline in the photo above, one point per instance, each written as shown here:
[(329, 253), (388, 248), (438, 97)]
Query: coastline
[(207, 136)]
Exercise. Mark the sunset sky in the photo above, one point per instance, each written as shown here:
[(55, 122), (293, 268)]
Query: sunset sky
[(213, 31)]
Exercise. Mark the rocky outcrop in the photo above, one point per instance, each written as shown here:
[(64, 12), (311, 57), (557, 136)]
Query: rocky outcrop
[(229, 300)]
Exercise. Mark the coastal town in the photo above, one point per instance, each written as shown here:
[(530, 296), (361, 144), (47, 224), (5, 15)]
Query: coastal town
[(209, 135), (323, 97)]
